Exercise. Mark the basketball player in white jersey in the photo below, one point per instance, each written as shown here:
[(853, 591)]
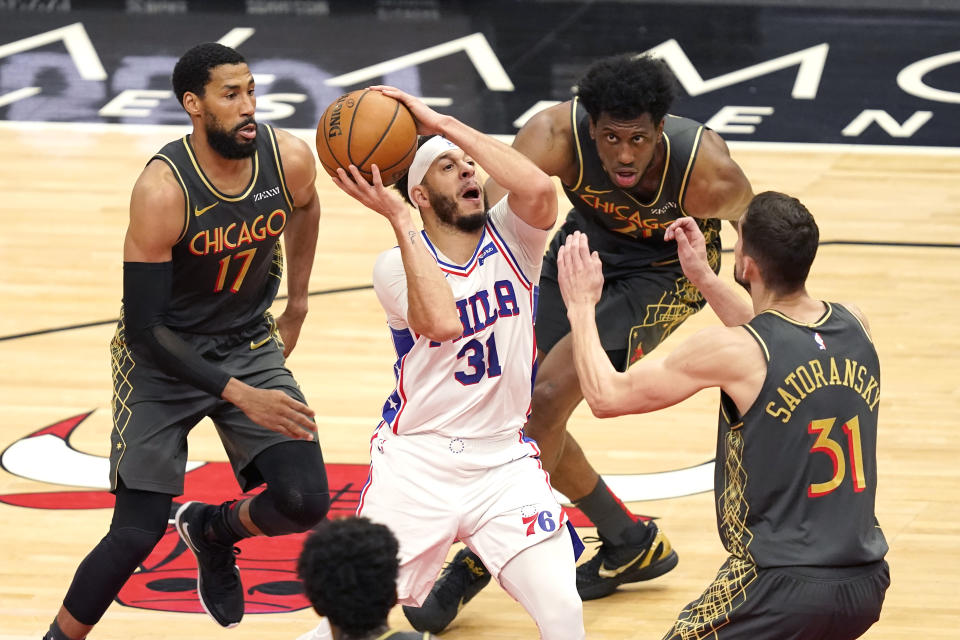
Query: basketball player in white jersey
[(449, 459)]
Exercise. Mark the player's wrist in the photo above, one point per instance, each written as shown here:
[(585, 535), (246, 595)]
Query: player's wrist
[(702, 276), (297, 308), (580, 310), (233, 391)]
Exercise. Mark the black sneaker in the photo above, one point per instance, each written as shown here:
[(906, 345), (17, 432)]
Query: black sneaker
[(218, 578), (461, 579), (613, 565)]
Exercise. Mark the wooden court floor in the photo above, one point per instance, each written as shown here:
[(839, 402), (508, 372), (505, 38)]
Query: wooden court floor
[(64, 193)]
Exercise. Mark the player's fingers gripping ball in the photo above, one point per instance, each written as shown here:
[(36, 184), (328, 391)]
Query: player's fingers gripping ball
[(364, 128)]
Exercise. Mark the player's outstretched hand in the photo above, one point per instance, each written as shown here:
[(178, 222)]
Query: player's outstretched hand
[(272, 409), (691, 248), (581, 272), (374, 196), (428, 120)]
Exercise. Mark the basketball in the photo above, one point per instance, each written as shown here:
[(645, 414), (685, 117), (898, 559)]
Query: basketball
[(364, 128)]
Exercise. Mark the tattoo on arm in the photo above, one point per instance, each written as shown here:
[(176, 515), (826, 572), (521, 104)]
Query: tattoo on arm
[(413, 236)]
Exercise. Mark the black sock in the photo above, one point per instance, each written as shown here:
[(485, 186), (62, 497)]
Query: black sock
[(55, 633), (224, 527), (607, 513)]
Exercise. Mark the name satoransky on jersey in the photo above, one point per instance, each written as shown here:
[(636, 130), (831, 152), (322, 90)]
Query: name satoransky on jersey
[(824, 372)]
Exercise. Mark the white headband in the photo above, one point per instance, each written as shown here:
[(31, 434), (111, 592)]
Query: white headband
[(424, 157)]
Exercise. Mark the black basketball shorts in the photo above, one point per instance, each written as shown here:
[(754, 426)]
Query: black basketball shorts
[(154, 412), (641, 304), (785, 603)]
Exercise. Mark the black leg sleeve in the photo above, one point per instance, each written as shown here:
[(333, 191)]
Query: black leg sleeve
[(139, 521), (297, 496)]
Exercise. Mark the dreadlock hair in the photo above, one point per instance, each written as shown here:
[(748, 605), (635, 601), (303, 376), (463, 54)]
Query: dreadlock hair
[(192, 71), (349, 570), (627, 86)]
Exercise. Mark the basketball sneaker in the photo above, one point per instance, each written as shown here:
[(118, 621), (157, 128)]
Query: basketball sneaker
[(646, 554), (218, 578), (461, 579)]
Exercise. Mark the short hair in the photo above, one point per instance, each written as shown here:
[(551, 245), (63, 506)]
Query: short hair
[(627, 86), (780, 234), (192, 71), (349, 570), (401, 184)]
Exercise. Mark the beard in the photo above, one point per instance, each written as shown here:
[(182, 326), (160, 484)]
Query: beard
[(225, 142), (447, 213)]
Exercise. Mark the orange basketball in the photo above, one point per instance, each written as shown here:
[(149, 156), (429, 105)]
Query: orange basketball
[(363, 128)]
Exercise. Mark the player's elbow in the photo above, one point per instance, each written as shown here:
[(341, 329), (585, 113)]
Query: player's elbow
[(603, 406), (444, 334), (539, 201), (441, 328), (543, 193)]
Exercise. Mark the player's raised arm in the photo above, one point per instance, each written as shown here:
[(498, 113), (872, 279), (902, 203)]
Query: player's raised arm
[(430, 308), (532, 194), (546, 140), (691, 249), (715, 357)]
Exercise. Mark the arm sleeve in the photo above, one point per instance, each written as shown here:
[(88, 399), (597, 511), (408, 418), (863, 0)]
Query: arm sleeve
[(146, 296), (525, 242)]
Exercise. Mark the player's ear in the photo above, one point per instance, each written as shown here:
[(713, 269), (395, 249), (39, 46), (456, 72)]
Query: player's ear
[(420, 197), (751, 270), (191, 103)]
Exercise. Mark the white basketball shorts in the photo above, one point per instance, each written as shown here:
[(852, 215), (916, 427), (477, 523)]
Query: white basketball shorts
[(431, 489)]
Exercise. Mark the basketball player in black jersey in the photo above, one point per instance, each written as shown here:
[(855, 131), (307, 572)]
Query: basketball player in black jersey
[(796, 469), (629, 169), (202, 265), (349, 569)]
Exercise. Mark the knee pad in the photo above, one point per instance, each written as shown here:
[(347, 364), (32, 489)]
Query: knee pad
[(105, 569), (279, 512)]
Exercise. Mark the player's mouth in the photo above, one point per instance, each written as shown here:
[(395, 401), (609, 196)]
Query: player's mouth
[(472, 195), (248, 131), (625, 177)]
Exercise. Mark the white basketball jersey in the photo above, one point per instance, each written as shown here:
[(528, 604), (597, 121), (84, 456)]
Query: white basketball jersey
[(478, 385)]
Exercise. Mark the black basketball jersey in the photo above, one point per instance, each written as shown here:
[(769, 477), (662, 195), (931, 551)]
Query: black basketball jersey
[(796, 475), (228, 261), (640, 225)]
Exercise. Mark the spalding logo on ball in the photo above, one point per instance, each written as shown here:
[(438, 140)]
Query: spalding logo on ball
[(364, 128)]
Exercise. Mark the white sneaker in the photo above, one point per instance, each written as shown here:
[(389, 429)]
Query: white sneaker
[(321, 632)]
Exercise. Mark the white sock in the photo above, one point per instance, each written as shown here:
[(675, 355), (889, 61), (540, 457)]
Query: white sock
[(321, 632)]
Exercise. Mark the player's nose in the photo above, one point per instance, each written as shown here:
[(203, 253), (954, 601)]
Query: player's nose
[(248, 105)]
